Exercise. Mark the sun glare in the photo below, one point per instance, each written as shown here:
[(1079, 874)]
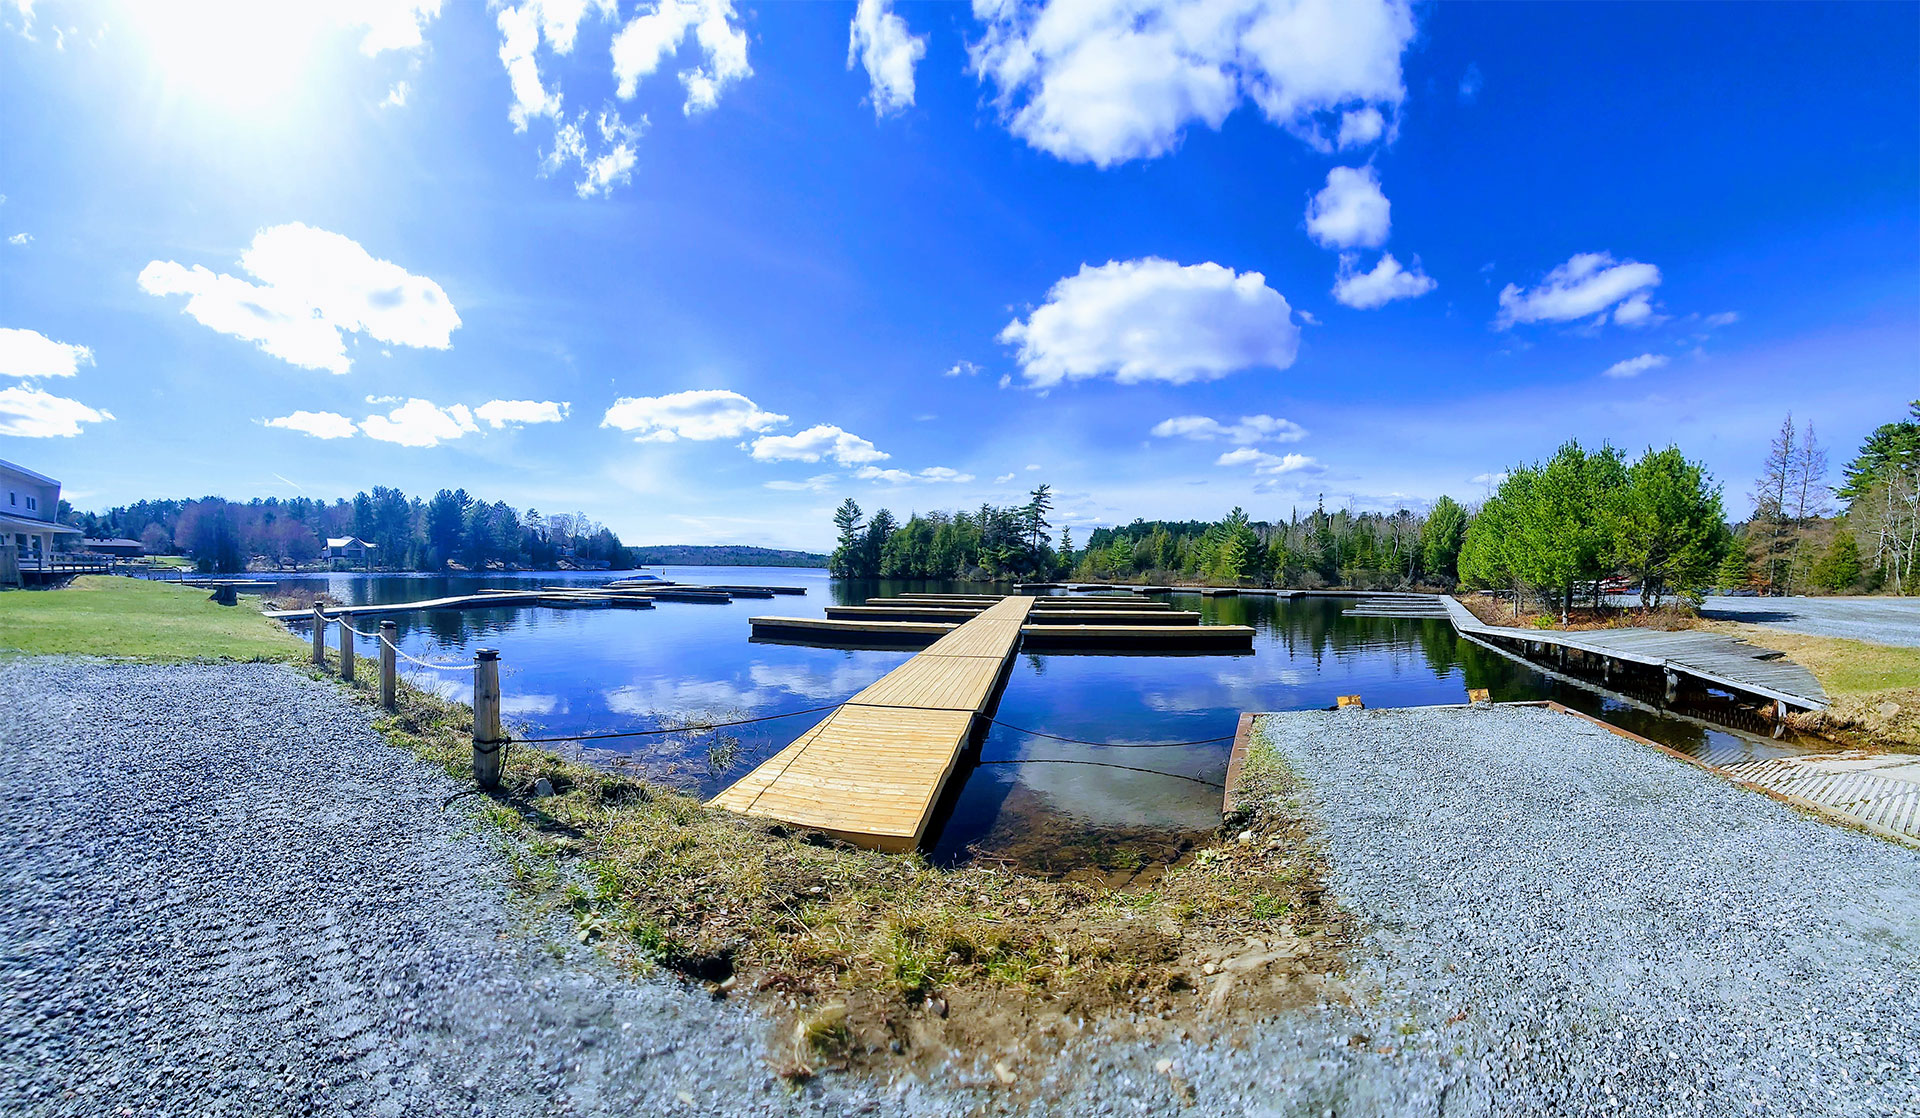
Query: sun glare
[(238, 54)]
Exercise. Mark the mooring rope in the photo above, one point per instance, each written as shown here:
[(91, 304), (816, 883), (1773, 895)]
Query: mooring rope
[(397, 650), (1104, 765), (1112, 744), (678, 729)]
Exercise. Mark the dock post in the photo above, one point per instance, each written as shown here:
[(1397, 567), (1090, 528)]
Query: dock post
[(319, 635), (346, 651), (389, 666), (486, 718)]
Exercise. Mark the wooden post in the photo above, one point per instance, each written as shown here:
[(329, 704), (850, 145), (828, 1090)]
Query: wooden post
[(319, 635), (1673, 685), (486, 718), (389, 665), (346, 651)]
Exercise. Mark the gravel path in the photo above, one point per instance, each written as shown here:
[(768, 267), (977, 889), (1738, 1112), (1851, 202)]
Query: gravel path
[(1880, 620), (224, 894)]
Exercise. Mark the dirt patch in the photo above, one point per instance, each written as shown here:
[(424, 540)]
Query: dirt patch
[(1500, 611)]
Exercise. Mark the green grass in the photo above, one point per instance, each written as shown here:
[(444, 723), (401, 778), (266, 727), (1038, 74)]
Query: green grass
[(105, 615)]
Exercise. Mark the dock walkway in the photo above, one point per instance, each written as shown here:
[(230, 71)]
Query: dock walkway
[(873, 771)]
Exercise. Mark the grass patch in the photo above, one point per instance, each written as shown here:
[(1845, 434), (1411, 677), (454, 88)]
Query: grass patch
[(1874, 689), (109, 615)]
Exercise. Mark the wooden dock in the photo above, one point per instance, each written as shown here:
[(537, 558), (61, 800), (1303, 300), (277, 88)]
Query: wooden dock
[(1705, 658), (1041, 635), (873, 771)]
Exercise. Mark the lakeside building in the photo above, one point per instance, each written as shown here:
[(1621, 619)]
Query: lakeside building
[(350, 548), (28, 521)]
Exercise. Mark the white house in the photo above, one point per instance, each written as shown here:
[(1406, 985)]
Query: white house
[(29, 502), (351, 548)]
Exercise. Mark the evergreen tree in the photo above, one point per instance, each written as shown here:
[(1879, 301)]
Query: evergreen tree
[(1440, 539), (1839, 569), (1734, 572), (1669, 531), (846, 556)]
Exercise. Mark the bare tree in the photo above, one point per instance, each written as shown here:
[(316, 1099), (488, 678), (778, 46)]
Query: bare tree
[(1809, 483), (1770, 496)]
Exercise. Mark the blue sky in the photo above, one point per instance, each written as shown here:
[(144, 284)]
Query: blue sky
[(1169, 257)]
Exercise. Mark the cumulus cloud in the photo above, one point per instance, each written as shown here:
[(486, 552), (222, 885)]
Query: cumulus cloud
[(1154, 320), (650, 38), (1351, 212), (1634, 366), (1106, 83), (389, 24), (1265, 464), (699, 414), (313, 287), (397, 96), (522, 28), (29, 353), (1587, 284), (879, 40), (962, 369), (1250, 429), (502, 413), (1388, 281), (319, 424), (419, 423), (1003, 479), (20, 239), (1360, 127), (815, 443), (30, 413), (1637, 311)]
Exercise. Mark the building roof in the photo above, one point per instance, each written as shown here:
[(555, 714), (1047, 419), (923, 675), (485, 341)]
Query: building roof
[(23, 524), (118, 541), (42, 478), (346, 541)]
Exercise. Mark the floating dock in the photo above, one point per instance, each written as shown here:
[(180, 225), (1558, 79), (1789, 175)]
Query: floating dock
[(953, 612), (1052, 623), (873, 771)]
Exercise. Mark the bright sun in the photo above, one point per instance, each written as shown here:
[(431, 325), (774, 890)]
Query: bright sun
[(239, 54)]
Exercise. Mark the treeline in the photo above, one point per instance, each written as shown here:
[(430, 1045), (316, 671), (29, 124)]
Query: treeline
[(1796, 541), (724, 555), (409, 533), (985, 544)]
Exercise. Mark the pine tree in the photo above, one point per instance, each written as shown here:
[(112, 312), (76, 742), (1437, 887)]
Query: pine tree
[(1734, 572)]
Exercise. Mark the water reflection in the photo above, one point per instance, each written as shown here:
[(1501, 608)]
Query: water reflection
[(588, 671)]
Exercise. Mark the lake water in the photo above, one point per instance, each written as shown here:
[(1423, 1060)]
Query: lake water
[(1025, 799)]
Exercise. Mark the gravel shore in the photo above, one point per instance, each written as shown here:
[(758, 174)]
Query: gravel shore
[(1879, 620), (225, 894)]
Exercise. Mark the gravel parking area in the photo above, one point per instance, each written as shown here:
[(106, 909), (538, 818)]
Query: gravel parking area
[(1880, 620), (224, 894)]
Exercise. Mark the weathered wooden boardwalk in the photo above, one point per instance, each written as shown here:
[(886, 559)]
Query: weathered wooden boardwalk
[(873, 771)]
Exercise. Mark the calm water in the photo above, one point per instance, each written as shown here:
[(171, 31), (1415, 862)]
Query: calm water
[(586, 671)]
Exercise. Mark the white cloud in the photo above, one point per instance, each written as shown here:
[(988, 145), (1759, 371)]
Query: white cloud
[(1724, 318), (314, 286), (419, 423), (1360, 127), (1350, 212), (818, 483), (1152, 319), (931, 475), (879, 40), (29, 413), (1491, 481), (815, 443), (522, 27), (29, 353), (1634, 366), (1003, 479), (648, 39), (20, 239), (1105, 83), (1588, 283), (500, 413), (1251, 429), (1031, 466), (390, 24), (698, 414), (611, 167), (1388, 281), (319, 424), (962, 369), (1267, 465), (1637, 311), (397, 96)]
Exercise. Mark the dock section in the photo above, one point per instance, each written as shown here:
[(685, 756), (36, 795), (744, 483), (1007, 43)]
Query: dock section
[(872, 772)]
